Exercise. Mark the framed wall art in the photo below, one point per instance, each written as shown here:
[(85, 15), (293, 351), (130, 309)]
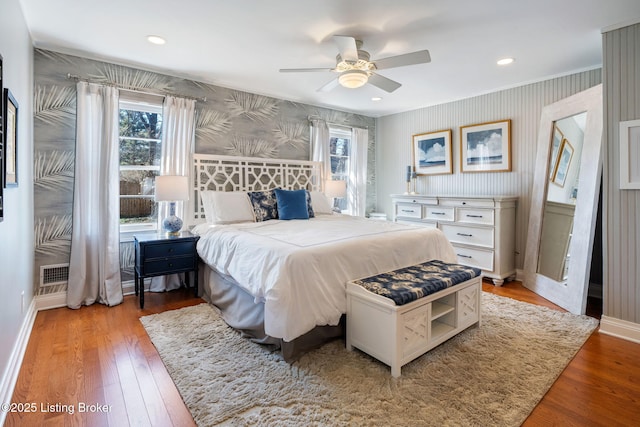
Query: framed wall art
[(10, 128), (1, 148), (556, 142), (432, 153), (630, 155), (486, 147), (564, 162)]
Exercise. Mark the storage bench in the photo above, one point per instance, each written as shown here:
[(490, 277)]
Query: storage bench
[(400, 315)]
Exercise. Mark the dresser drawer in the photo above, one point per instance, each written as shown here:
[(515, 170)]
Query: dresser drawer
[(470, 203), (469, 235), (167, 265), (475, 257), (425, 224), (163, 250), (440, 213), (409, 210), (476, 216)]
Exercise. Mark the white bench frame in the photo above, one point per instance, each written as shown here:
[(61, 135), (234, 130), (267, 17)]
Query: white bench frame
[(398, 334)]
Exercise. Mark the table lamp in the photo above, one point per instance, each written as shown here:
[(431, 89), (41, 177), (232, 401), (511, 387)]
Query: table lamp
[(172, 188), (335, 190)]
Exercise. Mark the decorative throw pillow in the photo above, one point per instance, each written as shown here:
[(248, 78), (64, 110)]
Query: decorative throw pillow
[(310, 205), (292, 204), (264, 205), (320, 203), (226, 207)]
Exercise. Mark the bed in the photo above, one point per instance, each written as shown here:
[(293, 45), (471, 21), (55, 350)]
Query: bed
[(282, 281)]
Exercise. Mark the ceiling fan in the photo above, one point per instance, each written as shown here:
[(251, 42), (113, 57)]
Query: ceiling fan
[(356, 69)]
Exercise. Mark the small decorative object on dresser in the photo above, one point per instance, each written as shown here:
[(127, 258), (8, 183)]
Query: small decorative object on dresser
[(159, 255), (481, 229)]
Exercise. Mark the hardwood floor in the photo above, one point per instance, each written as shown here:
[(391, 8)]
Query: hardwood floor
[(103, 356)]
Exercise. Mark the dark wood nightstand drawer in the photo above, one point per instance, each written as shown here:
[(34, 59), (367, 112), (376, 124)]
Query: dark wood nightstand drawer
[(160, 255), (163, 250), (167, 265)]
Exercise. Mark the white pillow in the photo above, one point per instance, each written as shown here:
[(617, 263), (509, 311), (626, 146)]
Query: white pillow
[(320, 203), (226, 207)]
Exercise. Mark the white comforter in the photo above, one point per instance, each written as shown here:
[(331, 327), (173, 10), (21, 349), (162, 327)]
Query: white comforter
[(299, 268)]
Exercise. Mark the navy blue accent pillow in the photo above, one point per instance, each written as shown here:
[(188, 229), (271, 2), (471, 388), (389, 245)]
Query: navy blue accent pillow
[(292, 204), (309, 206), (264, 205)]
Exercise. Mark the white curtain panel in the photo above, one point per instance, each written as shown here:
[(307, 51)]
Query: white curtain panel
[(320, 138), (357, 192), (178, 130), (94, 266)]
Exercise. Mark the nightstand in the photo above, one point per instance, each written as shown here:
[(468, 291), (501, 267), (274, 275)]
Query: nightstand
[(159, 255)]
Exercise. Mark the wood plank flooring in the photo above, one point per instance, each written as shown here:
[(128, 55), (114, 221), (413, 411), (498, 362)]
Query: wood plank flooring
[(102, 356)]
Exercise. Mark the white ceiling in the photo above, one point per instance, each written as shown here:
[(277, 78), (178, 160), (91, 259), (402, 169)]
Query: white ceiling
[(242, 44)]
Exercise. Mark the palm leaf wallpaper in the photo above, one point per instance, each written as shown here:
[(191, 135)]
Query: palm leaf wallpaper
[(228, 122)]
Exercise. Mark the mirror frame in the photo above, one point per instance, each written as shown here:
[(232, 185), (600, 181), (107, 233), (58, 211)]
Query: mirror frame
[(572, 294)]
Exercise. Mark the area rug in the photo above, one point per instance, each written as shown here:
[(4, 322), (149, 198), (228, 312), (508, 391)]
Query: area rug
[(492, 375)]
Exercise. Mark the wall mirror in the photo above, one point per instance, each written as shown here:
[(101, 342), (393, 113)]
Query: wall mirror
[(564, 200)]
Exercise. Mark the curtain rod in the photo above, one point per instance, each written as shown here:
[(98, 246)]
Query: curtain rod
[(310, 118), (133, 88)]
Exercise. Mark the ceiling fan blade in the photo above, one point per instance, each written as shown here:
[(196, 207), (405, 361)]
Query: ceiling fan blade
[(383, 83), (304, 70), (419, 57), (347, 47), (329, 86)]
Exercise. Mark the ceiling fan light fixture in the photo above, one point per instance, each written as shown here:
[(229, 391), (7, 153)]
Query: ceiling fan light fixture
[(353, 79)]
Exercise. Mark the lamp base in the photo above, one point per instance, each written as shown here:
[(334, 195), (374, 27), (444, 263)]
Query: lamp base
[(172, 224)]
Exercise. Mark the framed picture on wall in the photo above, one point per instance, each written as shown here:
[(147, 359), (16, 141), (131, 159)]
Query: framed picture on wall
[(486, 147), (1, 148), (556, 142), (432, 153), (630, 155), (564, 161), (10, 121)]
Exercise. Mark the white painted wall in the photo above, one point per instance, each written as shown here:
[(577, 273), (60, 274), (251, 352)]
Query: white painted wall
[(522, 105), (16, 231)]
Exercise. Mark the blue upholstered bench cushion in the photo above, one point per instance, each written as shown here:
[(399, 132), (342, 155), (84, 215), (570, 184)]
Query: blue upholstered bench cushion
[(411, 283)]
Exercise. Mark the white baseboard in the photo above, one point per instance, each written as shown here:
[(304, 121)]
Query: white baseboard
[(620, 328), (10, 377), (49, 301)]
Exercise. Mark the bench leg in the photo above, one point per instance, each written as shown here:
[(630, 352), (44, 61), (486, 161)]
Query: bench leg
[(395, 371)]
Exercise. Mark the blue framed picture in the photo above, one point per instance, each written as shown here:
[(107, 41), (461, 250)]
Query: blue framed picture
[(432, 153), (486, 147)]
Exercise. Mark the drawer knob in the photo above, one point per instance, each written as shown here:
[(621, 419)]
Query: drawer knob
[(439, 213), (464, 203), (464, 256), (408, 210), (464, 234), (474, 216)]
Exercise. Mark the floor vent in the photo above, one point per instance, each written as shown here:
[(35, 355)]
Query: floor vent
[(55, 274)]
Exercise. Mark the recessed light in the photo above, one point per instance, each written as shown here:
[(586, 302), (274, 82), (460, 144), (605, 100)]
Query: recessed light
[(505, 61), (156, 40), (376, 98)]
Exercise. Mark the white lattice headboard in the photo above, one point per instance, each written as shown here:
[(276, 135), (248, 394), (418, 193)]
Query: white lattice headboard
[(228, 173)]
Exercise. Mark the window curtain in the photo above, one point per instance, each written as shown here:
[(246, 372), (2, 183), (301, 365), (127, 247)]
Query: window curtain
[(320, 138), (94, 265), (357, 188), (178, 129)]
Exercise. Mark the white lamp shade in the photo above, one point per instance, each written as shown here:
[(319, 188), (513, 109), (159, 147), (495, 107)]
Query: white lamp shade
[(171, 188), (335, 189)]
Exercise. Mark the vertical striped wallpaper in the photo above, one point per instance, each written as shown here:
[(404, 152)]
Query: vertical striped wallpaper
[(621, 86), (522, 105)]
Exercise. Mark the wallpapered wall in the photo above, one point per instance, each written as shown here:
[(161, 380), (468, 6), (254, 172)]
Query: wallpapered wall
[(229, 122)]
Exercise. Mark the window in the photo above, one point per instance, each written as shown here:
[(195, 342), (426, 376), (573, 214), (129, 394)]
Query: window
[(140, 151), (340, 152)]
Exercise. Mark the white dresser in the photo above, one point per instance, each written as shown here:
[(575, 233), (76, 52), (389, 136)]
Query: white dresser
[(482, 229)]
